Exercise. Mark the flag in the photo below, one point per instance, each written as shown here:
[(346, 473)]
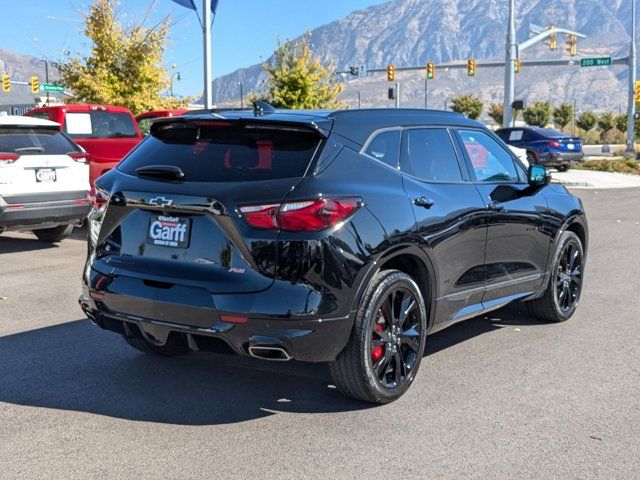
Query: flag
[(191, 5), (186, 3)]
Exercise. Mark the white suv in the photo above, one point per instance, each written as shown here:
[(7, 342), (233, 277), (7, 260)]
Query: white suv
[(44, 178)]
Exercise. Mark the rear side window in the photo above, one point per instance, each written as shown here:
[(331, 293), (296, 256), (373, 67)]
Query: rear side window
[(227, 154), (99, 124), (428, 154), (385, 147), (35, 141)]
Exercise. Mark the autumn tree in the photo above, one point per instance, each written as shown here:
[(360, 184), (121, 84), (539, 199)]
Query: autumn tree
[(496, 112), (467, 105), (298, 80), (538, 114), (124, 63), (562, 114)]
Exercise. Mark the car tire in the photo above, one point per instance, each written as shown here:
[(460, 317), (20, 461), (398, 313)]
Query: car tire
[(363, 370), (531, 158), (561, 297), (168, 350), (54, 235)]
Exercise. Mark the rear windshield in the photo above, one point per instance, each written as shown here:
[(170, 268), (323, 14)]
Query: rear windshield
[(99, 124), (549, 133), (35, 141), (227, 154)]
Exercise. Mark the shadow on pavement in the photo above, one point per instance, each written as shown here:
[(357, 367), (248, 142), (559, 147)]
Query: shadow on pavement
[(76, 366), (10, 243)]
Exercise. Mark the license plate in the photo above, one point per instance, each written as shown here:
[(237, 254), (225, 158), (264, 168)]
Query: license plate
[(570, 146), (45, 175), (167, 231)]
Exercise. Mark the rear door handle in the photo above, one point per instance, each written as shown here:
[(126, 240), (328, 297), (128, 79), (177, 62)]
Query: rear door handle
[(423, 202), (495, 206)]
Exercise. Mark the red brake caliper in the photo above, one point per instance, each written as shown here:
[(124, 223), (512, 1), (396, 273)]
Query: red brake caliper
[(376, 353)]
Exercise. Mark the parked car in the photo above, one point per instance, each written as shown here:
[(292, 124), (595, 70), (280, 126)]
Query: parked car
[(545, 146), (145, 119), (44, 178), (341, 237), (106, 132)]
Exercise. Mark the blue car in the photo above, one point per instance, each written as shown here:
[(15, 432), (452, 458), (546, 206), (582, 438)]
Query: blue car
[(544, 146)]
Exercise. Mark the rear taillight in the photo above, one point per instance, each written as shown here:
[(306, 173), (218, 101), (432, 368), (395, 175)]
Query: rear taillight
[(554, 144), (300, 216), (8, 157), (79, 157), (98, 199)]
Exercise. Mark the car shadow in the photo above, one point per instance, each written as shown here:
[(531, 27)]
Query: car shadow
[(78, 367), (10, 243)]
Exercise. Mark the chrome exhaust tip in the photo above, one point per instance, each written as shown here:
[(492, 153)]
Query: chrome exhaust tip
[(276, 354)]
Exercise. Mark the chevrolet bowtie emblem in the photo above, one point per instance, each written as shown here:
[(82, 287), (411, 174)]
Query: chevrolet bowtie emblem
[(161, 201)]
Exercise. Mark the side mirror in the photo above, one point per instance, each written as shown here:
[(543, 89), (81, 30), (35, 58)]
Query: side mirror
[(538, 176)]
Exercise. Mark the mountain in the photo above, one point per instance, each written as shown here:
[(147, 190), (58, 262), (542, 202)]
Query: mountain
[(20, 68), (412, 32)]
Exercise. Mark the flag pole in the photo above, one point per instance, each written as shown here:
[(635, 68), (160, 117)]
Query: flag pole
[(206, 34)]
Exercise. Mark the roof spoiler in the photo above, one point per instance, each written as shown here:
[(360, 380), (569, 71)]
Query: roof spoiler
[(261, 108)]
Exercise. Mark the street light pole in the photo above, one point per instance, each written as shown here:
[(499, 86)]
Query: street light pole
[(208, 94), (509, 65), (241, 95), (632, 83)]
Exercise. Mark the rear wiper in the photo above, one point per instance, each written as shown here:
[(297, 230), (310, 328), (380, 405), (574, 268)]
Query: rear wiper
[(161, 172)]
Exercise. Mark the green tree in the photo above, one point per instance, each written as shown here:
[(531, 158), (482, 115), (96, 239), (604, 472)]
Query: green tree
[(586, 121), (124, 66), (496, 112), (468, 105), (298, 80), (621, 122), (607, 121), (562, 114), (538, 114)]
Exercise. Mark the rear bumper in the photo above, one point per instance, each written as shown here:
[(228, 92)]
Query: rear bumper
[(194, 320), (562, 158), (28, 212)]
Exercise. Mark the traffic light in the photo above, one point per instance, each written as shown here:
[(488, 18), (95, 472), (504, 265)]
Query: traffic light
[(572, 45), (431, 71), (471, 67), (553, 42), (391, 73), (6, 83), (636, 93), (354, 71), (35, 84), (516, 66)]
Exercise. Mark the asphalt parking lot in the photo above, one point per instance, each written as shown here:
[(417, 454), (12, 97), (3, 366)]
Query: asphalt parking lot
[(503, 397)]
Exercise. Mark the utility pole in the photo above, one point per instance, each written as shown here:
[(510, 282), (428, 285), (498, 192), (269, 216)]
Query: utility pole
[(397, 94), (208, 94), (241, 95), (632, 85), (426, 93), (509, 64)]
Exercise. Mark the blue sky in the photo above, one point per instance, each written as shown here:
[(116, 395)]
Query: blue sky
[(244, 32)]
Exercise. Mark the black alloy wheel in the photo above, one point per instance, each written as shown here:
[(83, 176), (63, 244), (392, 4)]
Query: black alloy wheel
[(560, 299), (387, 342), (569, 276), (395, 338)]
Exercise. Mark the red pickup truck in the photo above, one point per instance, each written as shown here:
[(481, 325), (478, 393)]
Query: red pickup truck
[(108, 133)]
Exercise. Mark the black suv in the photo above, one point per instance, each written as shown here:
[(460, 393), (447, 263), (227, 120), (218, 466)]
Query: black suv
[(325, 236)]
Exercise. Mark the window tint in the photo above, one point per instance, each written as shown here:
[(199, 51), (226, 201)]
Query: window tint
[(226, 154), (35, 141), (490, 161), (429, 154), (99, 124), (386, 147)]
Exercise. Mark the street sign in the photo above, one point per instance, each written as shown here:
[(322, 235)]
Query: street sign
[(595, 62), (50, 87)]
